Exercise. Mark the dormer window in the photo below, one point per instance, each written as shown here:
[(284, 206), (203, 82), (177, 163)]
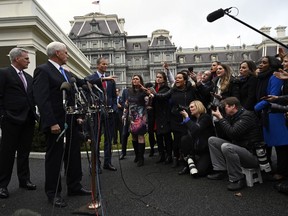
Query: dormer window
[(161, 42), (94, 25), (136, 46)]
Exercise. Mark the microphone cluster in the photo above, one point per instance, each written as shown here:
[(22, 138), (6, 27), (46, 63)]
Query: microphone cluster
[(85, 100)]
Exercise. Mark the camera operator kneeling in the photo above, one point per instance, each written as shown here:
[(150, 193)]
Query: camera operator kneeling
[(194, 145), (244, 132)]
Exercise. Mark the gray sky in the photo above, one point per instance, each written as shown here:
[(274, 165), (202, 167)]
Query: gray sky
[(185, 19)]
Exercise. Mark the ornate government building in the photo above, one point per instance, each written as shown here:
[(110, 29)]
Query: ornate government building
[(24, 23), (97, 35)]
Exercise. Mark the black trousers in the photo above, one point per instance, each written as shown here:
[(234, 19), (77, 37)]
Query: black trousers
[(72, 160), (282, 160), (15, 138), (201, 159)]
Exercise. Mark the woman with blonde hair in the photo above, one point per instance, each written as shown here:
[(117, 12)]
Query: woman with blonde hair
[(224, 84), (194, 145)]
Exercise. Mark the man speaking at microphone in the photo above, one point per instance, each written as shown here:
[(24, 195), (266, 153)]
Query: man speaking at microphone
[(47, 86), (105, 86)]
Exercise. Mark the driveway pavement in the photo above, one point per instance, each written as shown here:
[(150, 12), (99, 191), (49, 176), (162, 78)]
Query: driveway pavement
[(154, 189)]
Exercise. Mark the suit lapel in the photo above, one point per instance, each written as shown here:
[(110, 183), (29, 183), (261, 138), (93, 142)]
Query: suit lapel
[(17, 78), (57, 73)]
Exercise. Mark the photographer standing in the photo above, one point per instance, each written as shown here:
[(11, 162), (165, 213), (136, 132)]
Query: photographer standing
[(242, 128)]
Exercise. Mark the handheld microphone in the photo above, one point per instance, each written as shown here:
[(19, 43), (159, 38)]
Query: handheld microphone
[(73, 81), (217, 14), (65, 86), (98, 88), (82, 93)]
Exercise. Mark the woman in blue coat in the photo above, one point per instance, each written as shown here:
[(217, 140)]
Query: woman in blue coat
[(275, 130)]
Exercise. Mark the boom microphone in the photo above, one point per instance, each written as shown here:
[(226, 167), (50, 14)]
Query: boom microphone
[(65, 86), (217, 14)]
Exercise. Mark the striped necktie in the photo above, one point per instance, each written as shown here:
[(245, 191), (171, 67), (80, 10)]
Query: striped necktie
[(22, 77)]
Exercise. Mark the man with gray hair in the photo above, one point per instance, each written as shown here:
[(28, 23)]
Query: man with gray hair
[(18, 115), (48, 79)]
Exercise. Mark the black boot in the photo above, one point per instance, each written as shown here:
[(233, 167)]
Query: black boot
[(161, 157), (168, 159), (141, 151), (175, 162), (135, 146), (151, 154)]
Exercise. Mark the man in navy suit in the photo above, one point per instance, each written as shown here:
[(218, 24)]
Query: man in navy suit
[(48, 79), (17, 111), (107, 92)]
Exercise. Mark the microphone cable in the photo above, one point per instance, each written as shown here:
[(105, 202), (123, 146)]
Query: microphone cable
[(61, 163)]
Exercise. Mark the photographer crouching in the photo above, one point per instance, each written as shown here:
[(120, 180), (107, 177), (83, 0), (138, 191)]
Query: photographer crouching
[(244, 132), (194, 145)]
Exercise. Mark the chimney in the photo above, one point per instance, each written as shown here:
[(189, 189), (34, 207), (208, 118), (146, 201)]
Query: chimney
[(280, 31), (265, 30)]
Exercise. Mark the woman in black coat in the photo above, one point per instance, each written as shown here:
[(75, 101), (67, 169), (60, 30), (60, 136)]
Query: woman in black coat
[(180, 96), (194, 145), (162, 111), (247, 84)]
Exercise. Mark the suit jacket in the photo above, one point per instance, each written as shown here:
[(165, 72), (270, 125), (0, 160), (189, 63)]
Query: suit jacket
[(110, 91), (15, 103), (48, 96)]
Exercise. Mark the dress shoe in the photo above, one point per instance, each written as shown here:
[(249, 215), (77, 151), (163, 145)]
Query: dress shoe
[(122, 156), (4, 193), (184, 171), (109, 167), (57, 202), (80, 192), (28, 185), (237, 185), (161, 158), (282, 187), (217, 175)]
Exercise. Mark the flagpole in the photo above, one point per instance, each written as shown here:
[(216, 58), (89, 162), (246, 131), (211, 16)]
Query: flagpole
[(239, 37)]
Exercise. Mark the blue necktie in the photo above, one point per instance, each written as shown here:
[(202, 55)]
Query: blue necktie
[(63, 73)]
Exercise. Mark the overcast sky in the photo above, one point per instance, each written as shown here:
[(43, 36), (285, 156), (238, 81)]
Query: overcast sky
[(185, 19)]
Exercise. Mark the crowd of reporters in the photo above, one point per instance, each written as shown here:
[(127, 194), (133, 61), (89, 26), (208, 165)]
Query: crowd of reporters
[(221, 123)]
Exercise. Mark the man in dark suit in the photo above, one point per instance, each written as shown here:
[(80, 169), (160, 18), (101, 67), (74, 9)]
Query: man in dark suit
[(18, 117), (107, 92), (118, 118), (48, 79)]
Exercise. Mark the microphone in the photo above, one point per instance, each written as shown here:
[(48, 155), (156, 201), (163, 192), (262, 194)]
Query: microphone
[(73, 81), (217, 14), (90, 90), (65, 86), (98, 88), (82, 92)]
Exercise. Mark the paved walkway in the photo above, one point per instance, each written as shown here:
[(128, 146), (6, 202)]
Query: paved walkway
[(154, 189)]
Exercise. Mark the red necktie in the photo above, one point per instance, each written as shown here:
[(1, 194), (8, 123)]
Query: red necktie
[(103, 82)]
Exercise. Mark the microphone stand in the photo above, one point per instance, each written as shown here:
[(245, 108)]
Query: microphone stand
[(91, 111), (249, 26)]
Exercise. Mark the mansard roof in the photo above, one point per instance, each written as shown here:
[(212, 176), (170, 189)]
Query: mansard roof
[(105, 24)]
